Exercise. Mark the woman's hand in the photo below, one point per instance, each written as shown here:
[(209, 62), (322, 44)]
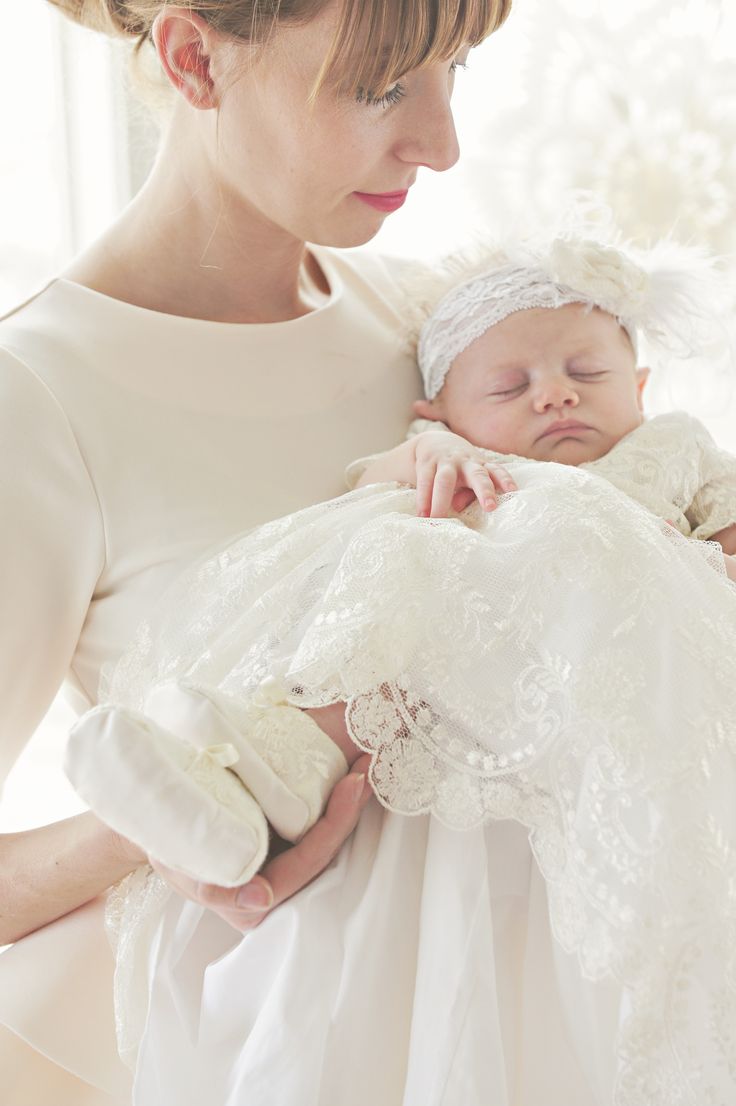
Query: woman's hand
[(451, 473), (290, 867), (730, 562), (726, 539)]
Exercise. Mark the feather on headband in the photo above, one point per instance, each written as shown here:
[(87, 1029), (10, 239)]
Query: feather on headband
[(669, 295)]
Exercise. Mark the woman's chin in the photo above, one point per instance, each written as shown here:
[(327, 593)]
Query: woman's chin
[(346, 237), (349, 228)]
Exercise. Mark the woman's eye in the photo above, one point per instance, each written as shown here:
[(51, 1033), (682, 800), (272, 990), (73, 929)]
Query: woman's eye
[(392, 96)]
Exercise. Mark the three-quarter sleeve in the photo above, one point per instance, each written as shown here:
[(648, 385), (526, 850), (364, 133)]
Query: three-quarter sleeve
[(51, 551), (713, 507)]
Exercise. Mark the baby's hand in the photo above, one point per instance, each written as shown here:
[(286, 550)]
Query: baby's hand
[(451, 473)]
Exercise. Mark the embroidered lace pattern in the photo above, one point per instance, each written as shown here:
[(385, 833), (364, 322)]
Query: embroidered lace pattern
[(569, 662)]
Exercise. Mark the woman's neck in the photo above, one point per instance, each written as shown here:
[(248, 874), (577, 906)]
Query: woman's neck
[(184, 247)]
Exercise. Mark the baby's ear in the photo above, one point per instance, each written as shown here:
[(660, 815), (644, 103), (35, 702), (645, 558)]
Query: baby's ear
[(642, 375), (426, 409)]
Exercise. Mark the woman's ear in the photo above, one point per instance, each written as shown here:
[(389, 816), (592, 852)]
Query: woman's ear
[(184, 42), (642, 375), (428, 409)]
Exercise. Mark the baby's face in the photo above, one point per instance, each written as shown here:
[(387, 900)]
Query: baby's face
[(554, 385)]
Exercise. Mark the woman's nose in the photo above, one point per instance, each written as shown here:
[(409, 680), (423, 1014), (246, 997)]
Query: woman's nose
[(553, 394), (429, 137)]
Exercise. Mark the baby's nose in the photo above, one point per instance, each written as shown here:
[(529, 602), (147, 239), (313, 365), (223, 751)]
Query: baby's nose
[(559, 393)]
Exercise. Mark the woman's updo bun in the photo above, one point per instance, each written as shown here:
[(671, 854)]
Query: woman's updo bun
[(416, 32), (110, 16)]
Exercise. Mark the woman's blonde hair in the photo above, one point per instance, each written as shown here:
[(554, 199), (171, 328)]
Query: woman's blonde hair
[(375, 42)]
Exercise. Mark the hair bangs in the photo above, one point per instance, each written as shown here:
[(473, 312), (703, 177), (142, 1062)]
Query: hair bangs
[(378, 41)]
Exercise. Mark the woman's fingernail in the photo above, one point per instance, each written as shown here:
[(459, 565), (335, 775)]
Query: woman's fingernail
[(489, 504), (255, 896), (357, 787)]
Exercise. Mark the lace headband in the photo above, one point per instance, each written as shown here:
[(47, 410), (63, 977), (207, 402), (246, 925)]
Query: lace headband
[(667, 301)]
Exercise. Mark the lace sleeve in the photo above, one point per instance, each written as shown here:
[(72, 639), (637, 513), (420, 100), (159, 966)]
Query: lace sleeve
[(419, 426), (714, 506), (355, 469)]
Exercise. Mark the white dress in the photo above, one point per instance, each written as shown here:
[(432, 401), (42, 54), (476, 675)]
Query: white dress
[(132, 441), (567, 663)]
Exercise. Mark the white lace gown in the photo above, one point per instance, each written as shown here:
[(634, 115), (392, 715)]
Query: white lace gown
[(541, 909)]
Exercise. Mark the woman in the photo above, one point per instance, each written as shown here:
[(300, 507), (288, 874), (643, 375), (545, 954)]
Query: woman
[(142, 393)]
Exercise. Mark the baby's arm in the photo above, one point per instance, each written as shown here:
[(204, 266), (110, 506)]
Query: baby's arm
[(712, 513), (447, 471)]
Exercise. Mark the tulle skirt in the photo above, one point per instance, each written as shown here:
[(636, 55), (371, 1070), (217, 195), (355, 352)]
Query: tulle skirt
[(543, 907)]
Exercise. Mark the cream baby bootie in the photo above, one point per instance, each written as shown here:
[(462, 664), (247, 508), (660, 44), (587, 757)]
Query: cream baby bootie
[(195, 782), (180, 804), (284, 759)]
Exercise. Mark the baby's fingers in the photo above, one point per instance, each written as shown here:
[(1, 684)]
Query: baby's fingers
[(425, 483), (479, 480), (502, 479), (446, 481)]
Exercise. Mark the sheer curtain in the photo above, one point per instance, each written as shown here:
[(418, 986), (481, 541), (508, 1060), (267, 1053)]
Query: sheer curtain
[(633, 99)]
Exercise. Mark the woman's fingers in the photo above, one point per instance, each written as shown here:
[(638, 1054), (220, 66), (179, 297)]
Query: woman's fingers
[(225, 901), (245, 907), (298, 866)]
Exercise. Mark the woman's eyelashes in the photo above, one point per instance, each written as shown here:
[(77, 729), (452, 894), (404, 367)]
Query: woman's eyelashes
[(397, 92), (392, 96)]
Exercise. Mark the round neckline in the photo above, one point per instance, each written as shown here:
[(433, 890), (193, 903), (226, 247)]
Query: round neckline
[(324, 260)]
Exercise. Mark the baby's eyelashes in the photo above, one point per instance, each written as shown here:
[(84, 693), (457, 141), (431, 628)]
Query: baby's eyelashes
[(504, 393)]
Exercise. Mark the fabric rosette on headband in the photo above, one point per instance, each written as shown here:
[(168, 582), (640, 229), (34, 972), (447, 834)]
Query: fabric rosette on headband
[(671, 296)]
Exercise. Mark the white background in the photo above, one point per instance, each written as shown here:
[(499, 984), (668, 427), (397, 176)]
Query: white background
[(634, 99)]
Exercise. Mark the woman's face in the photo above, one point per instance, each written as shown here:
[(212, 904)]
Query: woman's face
[(332, 171)]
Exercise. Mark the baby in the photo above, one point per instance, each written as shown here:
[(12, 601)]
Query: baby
[(554, 381), (533, 360)]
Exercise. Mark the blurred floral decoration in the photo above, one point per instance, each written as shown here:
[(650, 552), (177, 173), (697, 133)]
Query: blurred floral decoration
[(633, 100), (629, 105)]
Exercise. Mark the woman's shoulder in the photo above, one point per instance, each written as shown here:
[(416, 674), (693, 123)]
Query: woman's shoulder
[(32, 328)]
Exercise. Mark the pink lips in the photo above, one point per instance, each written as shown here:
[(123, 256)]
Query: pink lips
[(383, 201), (563, 426)]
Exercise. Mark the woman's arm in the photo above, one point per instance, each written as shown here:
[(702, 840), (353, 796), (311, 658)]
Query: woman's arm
[(52, 551), (726, 539), (730, 563), (49, 871), (46, 872)]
